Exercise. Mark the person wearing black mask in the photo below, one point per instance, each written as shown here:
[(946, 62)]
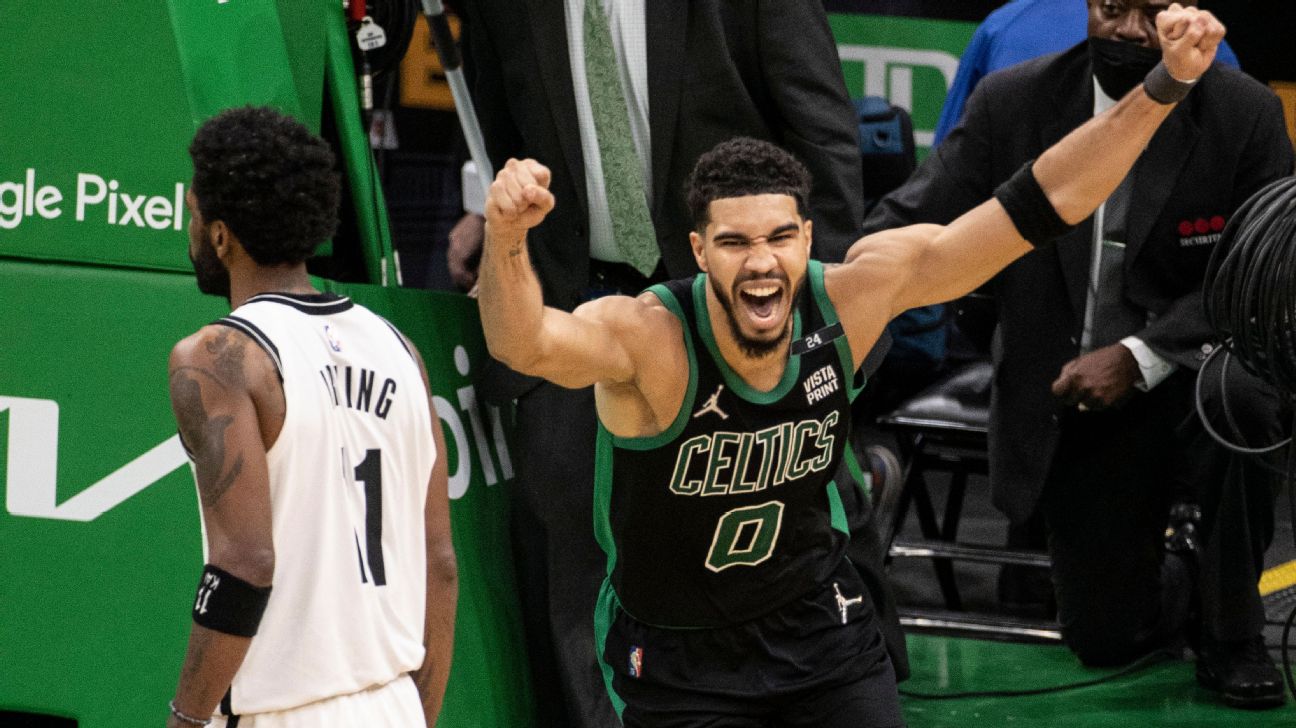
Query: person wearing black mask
[(1097, 347)]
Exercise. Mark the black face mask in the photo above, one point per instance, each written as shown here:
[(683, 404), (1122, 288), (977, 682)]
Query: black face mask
[(1120, 65)]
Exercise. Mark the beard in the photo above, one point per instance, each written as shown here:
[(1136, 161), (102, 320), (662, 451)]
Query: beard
[(212, 275), (751, 346)]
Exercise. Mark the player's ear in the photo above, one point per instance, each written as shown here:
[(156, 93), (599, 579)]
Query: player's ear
[(698, 245), (809, 235), (222, 240), (219, 236)]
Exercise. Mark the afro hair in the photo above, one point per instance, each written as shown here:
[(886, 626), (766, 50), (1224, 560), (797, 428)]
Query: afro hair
[(269, 179)]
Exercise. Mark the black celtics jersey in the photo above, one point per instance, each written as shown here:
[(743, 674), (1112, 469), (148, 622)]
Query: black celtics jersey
[(734, 510)]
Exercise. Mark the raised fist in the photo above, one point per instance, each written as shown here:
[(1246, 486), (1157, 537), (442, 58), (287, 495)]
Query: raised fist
[(519, 199), (1189, 38)]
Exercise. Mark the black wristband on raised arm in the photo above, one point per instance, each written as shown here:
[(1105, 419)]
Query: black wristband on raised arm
[(1163, 88), (1029, 208)]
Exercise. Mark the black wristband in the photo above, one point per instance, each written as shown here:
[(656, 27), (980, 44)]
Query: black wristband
[(1163, 88), (1029, 208), (228, 604)]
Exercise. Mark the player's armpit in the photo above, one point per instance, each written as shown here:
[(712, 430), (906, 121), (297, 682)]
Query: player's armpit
[(892, 271), (877, 281)]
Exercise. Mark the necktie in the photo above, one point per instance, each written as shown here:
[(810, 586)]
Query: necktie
[(1113, 317), (632, 228)]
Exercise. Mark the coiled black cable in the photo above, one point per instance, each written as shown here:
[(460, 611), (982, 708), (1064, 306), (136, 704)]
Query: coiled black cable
[(1249, 293), (1250, 286), (1250, 297)]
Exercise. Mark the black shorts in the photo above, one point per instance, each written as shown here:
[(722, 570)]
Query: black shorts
[(796, 666)]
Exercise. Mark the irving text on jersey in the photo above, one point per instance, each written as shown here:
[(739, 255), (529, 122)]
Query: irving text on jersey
[(354, 387)]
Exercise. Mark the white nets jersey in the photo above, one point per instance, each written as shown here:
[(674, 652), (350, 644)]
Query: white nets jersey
[(348, 479)]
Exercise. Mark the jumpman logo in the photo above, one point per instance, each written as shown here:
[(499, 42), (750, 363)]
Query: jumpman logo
[(712, 405), (843, 603)]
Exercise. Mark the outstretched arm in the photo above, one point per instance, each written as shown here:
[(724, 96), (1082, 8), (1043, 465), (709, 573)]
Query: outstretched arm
[(591, 344), (926, 264), (214, 375)]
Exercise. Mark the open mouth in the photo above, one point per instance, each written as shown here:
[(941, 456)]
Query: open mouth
[(761, 300)]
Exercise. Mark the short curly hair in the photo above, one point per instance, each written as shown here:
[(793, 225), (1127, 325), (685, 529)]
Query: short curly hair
[(269, 179), (744, 166)]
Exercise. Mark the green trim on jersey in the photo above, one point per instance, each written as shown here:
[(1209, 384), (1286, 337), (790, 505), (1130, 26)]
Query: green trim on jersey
[(603, 495), (791, 372), (857, 473), (603, 449), (604, 614), (837, 514), (815, 273), (681, 418)]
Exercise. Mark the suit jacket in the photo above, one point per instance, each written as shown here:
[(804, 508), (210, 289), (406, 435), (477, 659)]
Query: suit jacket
[(716, 69), (1220, 145)]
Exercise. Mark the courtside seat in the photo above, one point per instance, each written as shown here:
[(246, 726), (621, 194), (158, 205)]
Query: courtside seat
[(944, 429), (956, 406)]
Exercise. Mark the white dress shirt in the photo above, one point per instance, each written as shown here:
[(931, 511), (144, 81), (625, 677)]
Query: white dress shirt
[(1152, 365), (628, 27)]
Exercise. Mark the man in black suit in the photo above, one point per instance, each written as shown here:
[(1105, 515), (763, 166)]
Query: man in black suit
[(1098, 343), (692, 74)]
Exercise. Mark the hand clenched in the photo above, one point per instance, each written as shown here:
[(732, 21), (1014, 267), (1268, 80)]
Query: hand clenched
[(519, 199), (1189, 38)]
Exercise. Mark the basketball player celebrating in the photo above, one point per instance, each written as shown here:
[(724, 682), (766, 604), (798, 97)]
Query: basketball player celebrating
[(724, 408), (329, 593)]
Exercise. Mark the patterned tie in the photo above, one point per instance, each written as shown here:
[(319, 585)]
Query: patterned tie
[(632, 228)]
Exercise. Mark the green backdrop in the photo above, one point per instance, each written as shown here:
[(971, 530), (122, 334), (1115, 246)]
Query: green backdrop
[(910, 61), (99, 535)]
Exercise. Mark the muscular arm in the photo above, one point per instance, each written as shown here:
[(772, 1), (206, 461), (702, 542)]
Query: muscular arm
[(926, 264), (442, 593), (1106, 376), (1077, 174), (215, 376), (594, 343)]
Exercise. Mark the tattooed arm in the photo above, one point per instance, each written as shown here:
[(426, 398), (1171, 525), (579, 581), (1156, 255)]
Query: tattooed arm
[(229, 406)]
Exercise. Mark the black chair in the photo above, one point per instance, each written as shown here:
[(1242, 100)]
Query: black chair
[(944, 429)]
